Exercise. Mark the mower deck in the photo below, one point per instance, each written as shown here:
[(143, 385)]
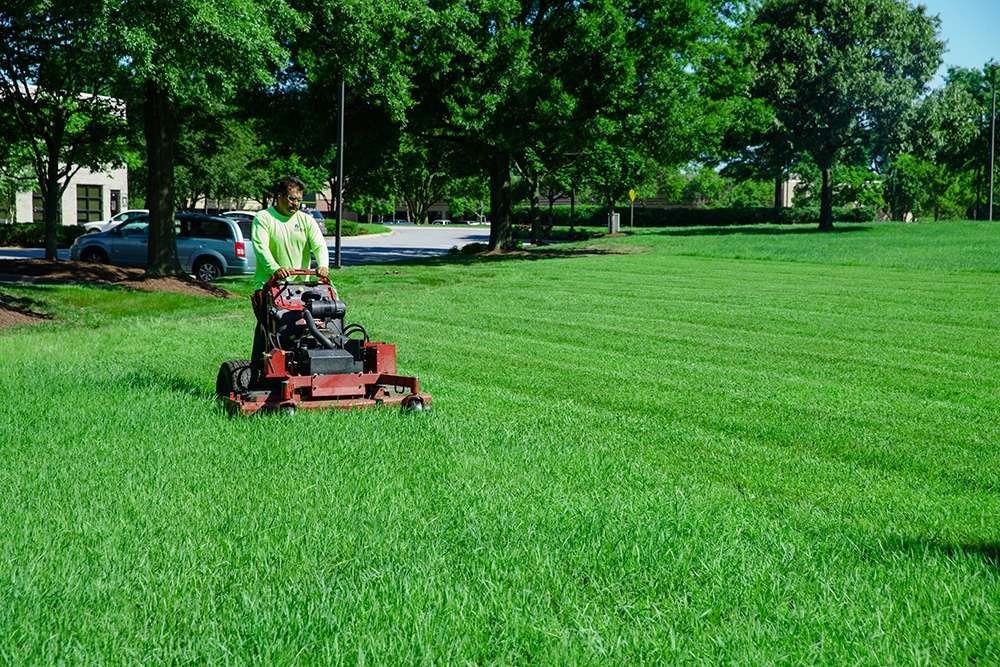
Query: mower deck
[(332, 392)]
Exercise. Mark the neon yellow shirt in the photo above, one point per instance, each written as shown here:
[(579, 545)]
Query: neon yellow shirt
[(286, 241)]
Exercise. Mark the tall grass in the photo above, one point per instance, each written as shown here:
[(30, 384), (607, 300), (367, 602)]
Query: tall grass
[(668, 448)]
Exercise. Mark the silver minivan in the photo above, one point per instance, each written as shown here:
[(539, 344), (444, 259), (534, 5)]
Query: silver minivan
[(207, 246)]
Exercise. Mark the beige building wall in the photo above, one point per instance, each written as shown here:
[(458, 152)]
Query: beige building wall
[(788, 190), (113, 180)]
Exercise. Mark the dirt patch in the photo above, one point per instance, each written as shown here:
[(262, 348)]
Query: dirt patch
[(19, 310), (41, 270), (9, 318)]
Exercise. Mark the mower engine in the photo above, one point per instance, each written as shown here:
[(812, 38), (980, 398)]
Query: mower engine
[(308, 323), (312, 360)]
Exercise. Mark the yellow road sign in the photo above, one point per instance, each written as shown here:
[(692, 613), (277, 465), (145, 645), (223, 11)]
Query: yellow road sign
[(631, 195)]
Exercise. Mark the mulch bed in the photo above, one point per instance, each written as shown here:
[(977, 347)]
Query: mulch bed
[(42, 270)]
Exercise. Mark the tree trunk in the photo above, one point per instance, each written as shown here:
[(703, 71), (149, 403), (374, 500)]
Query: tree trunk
[(159, 126), (979, 191), (533, 213), (826, 202), (500, 231), (50, 203), (779, 196), (572, 208)]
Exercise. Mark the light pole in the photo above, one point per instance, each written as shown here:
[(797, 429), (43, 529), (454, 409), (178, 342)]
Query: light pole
[(340, 177), (993, 134)]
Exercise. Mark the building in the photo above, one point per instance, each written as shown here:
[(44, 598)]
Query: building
[(89, 197)]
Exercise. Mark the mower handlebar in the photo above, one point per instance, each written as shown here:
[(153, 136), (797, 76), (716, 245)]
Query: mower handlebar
[(296, 272)]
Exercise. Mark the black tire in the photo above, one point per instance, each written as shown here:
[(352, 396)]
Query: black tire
[(414, 405), (233, 377), (94, 254), (207, 269)]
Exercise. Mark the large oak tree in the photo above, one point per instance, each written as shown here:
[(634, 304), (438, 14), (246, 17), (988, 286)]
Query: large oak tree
[(56, 69), (841, 74), (191, 54)]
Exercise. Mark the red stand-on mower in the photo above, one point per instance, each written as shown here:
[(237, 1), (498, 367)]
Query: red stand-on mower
[(310, 360)]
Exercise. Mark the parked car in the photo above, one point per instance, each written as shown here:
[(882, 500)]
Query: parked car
[(245, 216), (113, 221), (207, 246), (440, 221)]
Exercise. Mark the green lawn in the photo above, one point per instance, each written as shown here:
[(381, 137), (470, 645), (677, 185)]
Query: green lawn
[(747, 446)]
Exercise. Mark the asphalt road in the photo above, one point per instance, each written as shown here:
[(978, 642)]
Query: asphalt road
[(405, 242)]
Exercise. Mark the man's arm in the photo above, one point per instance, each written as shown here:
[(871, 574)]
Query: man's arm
[(317, 244), (261, 240)]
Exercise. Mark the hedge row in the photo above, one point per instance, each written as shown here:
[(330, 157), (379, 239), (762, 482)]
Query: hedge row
[(597, 216), (32, 235), (347, 228)]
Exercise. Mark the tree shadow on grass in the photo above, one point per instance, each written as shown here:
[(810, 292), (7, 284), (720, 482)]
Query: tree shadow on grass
[(534, 254), (151, 379), (988, 552), (770, 230)]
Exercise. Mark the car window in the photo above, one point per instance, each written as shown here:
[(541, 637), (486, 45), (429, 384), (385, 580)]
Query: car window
[(246, 227), (205, 229), (135, 227)]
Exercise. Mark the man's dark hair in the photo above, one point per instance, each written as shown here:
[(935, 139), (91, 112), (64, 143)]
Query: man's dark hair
[(288, 183)]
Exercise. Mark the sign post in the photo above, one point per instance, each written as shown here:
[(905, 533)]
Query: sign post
[(631, 210), (340, 178)]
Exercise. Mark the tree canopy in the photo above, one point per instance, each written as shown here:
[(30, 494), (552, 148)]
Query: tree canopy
[(842, 74), (56, 75), (702, 102)]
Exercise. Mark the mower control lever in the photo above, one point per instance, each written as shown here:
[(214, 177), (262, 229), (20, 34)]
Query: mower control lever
[(297, 272)]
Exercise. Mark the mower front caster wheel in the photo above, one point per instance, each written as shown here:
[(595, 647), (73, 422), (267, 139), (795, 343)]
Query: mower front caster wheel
[(414, 404)]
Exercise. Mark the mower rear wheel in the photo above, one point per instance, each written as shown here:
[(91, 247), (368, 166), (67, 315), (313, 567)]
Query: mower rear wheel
[(233, 377)]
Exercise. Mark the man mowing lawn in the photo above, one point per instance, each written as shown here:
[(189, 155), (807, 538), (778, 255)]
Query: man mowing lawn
[(283, 237)]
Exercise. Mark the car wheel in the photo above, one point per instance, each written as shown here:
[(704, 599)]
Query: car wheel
[(94, 254), (207, 270)]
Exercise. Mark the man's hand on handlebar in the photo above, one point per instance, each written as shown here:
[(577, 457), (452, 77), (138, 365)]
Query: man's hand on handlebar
[(323, 272), (281, 274)]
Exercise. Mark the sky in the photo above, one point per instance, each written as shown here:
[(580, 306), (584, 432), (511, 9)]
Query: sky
[(971, 30)]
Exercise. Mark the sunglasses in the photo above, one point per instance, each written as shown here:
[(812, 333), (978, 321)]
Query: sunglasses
[(292, 199)]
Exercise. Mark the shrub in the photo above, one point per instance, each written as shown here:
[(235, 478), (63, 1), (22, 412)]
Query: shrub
[(32, 234), (810, 216), (596, 216), (523, 233), (347, 228)]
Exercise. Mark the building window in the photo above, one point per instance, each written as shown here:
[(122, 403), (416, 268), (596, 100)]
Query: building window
[(38, 209), (88, 203)]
